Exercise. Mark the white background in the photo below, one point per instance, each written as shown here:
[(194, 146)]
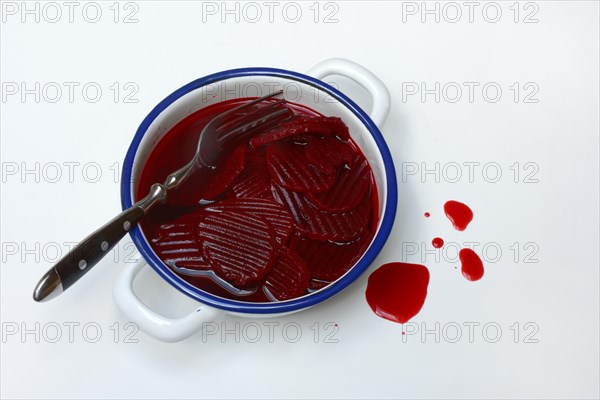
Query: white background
[(555, 289)]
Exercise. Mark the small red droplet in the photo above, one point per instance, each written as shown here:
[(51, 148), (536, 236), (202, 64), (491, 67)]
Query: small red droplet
[(427, 215), (459, 214), (471, 265), (404, 333), (437, 242)]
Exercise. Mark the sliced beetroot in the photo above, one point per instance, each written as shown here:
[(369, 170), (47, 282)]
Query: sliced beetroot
[(225, 174), (289, 277), (207, 183), (329, 153), (302, 126), (351, 187), (254, 181), (291, 213), (176, 245), (278, 217), (328, 261), (289, 167), (323, 225), (239, 246)]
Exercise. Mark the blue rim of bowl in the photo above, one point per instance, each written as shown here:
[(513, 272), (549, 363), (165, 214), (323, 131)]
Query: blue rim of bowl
[(276, 307)]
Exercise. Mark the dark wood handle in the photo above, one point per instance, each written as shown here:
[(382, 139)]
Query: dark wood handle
[(93, 248)]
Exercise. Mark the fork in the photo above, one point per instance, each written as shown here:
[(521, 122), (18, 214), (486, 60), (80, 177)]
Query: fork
[(218, 137)]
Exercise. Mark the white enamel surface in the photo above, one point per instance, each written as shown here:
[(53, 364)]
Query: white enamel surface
[(379, 92), (154, 324)]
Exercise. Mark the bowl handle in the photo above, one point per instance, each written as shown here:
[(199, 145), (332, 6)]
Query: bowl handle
[(362, 76), (151, 322)]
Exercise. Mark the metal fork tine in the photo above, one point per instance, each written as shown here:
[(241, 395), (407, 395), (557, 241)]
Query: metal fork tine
[(276, 119), (259, 120), (242, 119), (217, 121), (268, 96), (227, 129)]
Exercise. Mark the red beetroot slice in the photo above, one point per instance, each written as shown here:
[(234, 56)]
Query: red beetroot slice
[(176, 245), (254, 181), (290, 168), (240, 247), (289, 277), (329, 153), (272, 212), (322, 126), (328, 261), (207, 183), (322, 225), (350, 188)]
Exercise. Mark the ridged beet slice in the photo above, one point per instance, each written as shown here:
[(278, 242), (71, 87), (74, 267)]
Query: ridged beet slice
[(322, 225), (350, 188), (289, 277), (277, 216), (328, 261), (290, 168), (176, 245), (321, 126), (329, 153), (207, 183), (254, 181), (239, 246)]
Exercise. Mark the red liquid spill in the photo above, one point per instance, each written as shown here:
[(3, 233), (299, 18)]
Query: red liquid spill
[(437, 242), (252, 243), (459, 214), (427, 215), (397, 291), (471, 265)]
